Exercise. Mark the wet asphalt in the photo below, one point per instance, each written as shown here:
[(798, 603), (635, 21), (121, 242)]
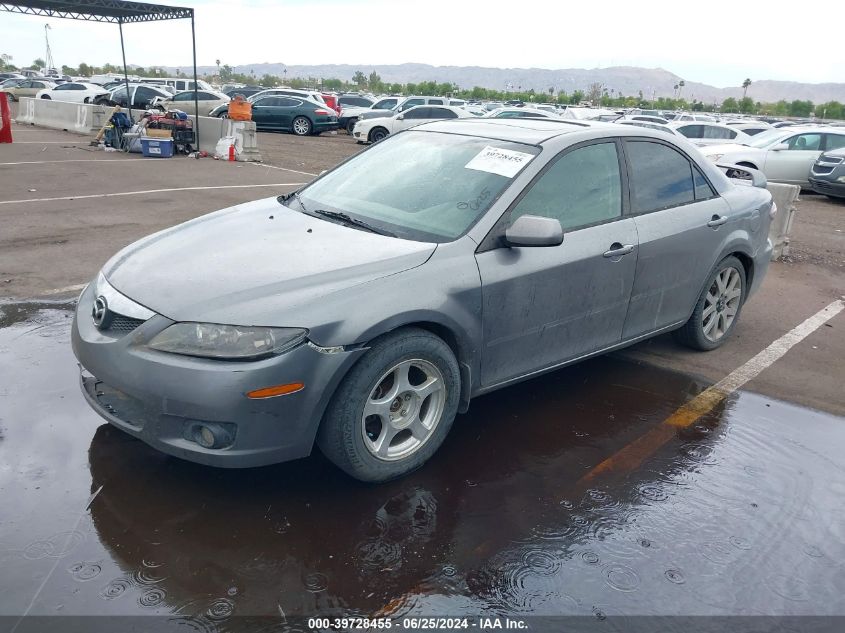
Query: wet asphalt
[(741, 514)]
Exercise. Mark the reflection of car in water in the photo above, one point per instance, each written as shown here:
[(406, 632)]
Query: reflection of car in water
[(303, 538)]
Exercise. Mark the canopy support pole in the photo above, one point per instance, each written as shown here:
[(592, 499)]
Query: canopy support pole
[(125, 72), (196, 88)]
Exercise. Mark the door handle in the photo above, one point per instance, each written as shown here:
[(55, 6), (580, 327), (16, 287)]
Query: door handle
[(717, 220), (618, 250)]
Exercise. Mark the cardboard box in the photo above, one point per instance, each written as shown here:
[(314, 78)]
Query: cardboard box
[(158, 133)]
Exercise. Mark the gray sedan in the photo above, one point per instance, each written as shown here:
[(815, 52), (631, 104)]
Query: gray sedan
[(365, 311)]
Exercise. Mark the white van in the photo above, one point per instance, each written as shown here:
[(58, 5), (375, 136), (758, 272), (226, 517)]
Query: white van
[(180, 83)]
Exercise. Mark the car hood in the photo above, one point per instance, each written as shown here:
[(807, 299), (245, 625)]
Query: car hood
[(254, 264)]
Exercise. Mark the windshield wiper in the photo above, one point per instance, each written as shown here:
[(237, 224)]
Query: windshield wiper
[(343, 217)]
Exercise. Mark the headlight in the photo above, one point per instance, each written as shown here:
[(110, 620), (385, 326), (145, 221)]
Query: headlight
[(227, 342), (715, 157), (841, 179)]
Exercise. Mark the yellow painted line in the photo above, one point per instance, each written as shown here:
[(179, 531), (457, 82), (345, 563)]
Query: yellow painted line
[(635, 453)]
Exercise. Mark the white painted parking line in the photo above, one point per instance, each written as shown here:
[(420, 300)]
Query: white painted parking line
[(635, 453), (140, 193), (306, 173), (78, 160)]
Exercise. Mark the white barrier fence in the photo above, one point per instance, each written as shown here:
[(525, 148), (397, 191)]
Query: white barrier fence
[(88, 119)]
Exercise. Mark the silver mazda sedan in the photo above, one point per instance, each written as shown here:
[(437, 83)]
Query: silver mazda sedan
[(364, 311)]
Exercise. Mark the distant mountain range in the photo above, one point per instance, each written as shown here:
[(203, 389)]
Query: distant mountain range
[(627, 80)]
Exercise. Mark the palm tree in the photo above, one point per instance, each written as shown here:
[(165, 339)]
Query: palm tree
[(745, 85), (681, 85), (217, 61)]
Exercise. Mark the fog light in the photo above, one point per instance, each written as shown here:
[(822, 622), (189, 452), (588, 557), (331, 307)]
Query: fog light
[(205, 438), (841, 179), (211, 434)]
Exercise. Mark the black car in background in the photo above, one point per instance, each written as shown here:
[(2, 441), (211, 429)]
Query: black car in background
[(827, 175)]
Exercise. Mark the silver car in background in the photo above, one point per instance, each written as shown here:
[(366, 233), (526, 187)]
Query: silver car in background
[(364, 311)]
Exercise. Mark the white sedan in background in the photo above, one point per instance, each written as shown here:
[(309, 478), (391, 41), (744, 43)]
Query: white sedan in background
[(184, 101), (73, 91), (374, 130), (520, 113), (704, 133), (782, 154)]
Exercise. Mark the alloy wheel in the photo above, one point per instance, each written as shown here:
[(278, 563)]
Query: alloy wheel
[(301, 126), (403, 409), (721, 304)]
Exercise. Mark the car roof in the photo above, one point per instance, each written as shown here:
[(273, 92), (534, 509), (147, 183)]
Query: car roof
[(531, 131)]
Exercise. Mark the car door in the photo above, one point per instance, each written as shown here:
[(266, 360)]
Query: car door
[(143, 97), (411, 117), (546, 305), (30, 88), (792, 165), (681, 223), (262, 112)]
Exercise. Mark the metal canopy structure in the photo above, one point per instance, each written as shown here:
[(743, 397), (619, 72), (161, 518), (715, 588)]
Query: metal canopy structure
[(100, 10), (118, 12)]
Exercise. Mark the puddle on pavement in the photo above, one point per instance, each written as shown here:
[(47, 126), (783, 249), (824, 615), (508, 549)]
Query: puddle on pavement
[(739, 514)]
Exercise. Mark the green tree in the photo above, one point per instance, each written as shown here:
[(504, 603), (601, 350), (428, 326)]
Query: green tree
[(800, 108), (746, 105), (359, 78), (38, 63), (730, 105), (269, 80), (374, 82), (831, 110), (6, 62), (577, 97), (745, 85), (85, 70)]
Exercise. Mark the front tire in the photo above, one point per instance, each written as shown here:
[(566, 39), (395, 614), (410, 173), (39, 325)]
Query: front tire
[(301, 126), (350, 126), (717, 310), (377, 134), (394, 408)]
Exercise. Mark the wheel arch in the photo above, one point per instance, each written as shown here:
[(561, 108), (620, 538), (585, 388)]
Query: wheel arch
[(435, 323)]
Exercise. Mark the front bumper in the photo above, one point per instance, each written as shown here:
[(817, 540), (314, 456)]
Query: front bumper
[(827, 188), (160, 398)]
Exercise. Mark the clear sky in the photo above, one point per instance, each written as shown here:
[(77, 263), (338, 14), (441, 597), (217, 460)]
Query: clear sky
[(715, 43)]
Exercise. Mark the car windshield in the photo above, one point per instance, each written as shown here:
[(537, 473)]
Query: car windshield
[(766, 138), (423, 186)]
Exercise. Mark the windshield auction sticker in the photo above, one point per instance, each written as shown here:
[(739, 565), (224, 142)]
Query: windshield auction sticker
[(504, 162)]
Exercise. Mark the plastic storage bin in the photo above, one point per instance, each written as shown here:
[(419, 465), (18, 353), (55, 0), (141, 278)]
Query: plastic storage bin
[(157, 147)]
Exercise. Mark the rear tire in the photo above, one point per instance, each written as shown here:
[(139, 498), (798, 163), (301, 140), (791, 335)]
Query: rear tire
[(718, 307), (410, 383), (350, 126), (301, 126)]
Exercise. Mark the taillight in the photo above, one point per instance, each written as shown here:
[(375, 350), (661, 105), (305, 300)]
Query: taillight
[(321, 111)]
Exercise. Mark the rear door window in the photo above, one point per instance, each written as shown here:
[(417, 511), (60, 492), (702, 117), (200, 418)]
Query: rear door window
[(834, 141), (692, 131), (661, 177), (712, 131)]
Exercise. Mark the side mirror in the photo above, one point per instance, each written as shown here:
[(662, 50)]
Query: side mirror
[(780, 147), (534, 230), (401, 117)]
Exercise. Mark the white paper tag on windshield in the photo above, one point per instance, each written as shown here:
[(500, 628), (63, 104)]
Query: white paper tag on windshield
[(504, 162)]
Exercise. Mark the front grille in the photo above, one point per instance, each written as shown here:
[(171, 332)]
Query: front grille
[(831, 160), (821, 170), (821, 184), (121, 323)]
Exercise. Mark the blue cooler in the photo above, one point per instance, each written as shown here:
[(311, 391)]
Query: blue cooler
[(156, 147)]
